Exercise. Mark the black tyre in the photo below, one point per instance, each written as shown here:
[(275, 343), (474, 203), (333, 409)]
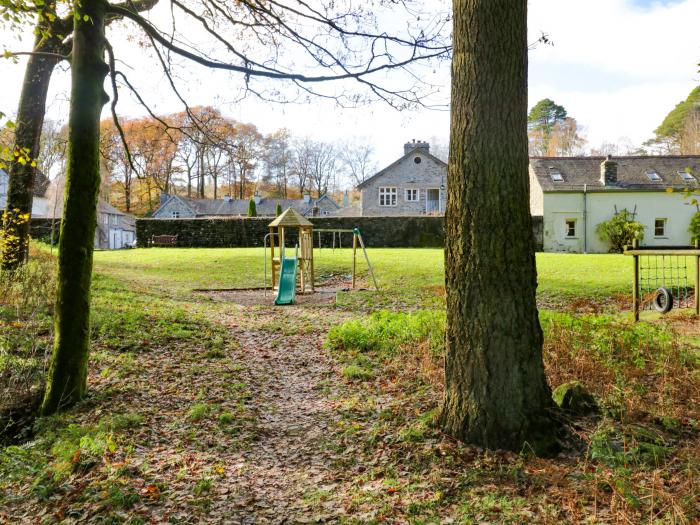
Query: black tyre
[(663, 300)]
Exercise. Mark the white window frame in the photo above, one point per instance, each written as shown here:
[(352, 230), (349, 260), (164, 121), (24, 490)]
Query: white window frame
[(654, 176), (567, 230), (664, 222), (687, 176), (390, 192), (408, 192), (175, 214)]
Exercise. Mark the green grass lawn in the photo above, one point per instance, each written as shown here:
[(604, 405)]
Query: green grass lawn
[(185, 389), (560, 275)]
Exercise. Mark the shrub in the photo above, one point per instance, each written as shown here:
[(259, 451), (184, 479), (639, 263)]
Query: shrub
[(620, 231), (694, 228), (252, 211), (26, 299), (278, 210)]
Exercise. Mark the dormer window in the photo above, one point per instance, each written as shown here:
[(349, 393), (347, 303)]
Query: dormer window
[(653, 176), (686, 176), (556, 175)]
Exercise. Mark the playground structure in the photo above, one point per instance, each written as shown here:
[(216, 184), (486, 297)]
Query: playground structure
[(286, 271), (662, 278)]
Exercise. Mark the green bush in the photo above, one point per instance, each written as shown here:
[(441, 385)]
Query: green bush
[(252, 211), (694, 228), (278, 210), (620, 231)]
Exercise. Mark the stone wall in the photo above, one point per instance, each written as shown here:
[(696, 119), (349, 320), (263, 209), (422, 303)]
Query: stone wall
[(390, 232)]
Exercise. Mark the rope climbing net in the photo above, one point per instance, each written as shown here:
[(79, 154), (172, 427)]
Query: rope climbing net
[(664, 278)]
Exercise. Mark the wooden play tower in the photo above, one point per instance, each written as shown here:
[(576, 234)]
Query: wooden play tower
[(304, 252)]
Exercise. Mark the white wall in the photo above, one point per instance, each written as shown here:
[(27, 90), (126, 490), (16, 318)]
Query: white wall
[(600, 206)]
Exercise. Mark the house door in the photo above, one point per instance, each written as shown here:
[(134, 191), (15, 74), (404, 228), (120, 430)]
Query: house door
[(432, 200), (114, 239)]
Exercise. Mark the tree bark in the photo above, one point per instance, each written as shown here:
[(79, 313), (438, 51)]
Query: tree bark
[(496, 392), (30, 119), (67, 377)]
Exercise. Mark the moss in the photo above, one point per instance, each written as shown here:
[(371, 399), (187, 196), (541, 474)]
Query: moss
[(573, 398)]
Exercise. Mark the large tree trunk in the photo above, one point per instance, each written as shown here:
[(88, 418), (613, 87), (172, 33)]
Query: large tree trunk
[(67, 378), (30, 119), (496, 393)]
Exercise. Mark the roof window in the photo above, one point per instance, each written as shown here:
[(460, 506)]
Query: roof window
[(556, 175), (687, 176), (653, 176)]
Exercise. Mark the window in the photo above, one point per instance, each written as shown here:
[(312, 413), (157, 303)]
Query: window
[(387, 196), (412, 195), (570, 227), (175, 214), (417, 160), (556, 175), (105, 219), (659, 227), (653, 176), (3, 185), (685, 175)]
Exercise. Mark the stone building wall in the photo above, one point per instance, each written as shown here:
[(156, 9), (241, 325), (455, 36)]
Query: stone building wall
[(407, 174)]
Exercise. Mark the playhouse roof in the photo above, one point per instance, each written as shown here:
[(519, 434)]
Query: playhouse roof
[(290, 219)]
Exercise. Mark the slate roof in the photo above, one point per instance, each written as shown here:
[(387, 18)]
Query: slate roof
[(631, 172), (413, 151), (266, 206), (41, 182)]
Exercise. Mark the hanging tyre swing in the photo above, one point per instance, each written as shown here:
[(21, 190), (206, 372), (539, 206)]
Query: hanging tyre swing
[(663, 300)]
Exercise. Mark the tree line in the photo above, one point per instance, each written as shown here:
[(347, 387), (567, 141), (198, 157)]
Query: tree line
[(200, 153)]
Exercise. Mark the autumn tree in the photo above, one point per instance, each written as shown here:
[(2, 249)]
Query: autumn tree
[(349, 52), (52, 45), (679, 132), (496, 394)]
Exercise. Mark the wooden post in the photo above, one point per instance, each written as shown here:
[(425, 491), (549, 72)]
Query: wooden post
[(635, 289), (272, 257), (354, 261), (697, 280)]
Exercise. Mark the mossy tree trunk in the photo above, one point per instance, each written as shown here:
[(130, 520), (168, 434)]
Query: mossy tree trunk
[(496, 392), (67, 379), (30, 120)]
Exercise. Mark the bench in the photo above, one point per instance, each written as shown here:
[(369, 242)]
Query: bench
[(163, 240)]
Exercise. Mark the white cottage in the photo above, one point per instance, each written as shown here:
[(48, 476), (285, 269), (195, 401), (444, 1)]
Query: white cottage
[(575, 194), (40, 204)]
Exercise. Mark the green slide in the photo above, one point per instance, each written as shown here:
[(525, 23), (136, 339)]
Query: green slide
[(288, 281)]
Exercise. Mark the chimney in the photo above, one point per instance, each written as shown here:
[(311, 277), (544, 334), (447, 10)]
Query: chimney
[(608, 171), (257, 198), (346, 199), (421, 145), (163, 197), (307, 197)]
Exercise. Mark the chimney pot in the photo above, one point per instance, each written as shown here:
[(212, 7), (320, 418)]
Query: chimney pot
[(420, 145)]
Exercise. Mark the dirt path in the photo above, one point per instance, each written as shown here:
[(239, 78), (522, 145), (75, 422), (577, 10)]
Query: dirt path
[(290, 377)]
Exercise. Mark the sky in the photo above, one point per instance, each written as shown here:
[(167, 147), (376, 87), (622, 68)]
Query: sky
[(617, 66)]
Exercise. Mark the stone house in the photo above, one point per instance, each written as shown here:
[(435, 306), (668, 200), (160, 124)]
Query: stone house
[(177, 207), (115, 229), (575, 194), (415, 184)]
